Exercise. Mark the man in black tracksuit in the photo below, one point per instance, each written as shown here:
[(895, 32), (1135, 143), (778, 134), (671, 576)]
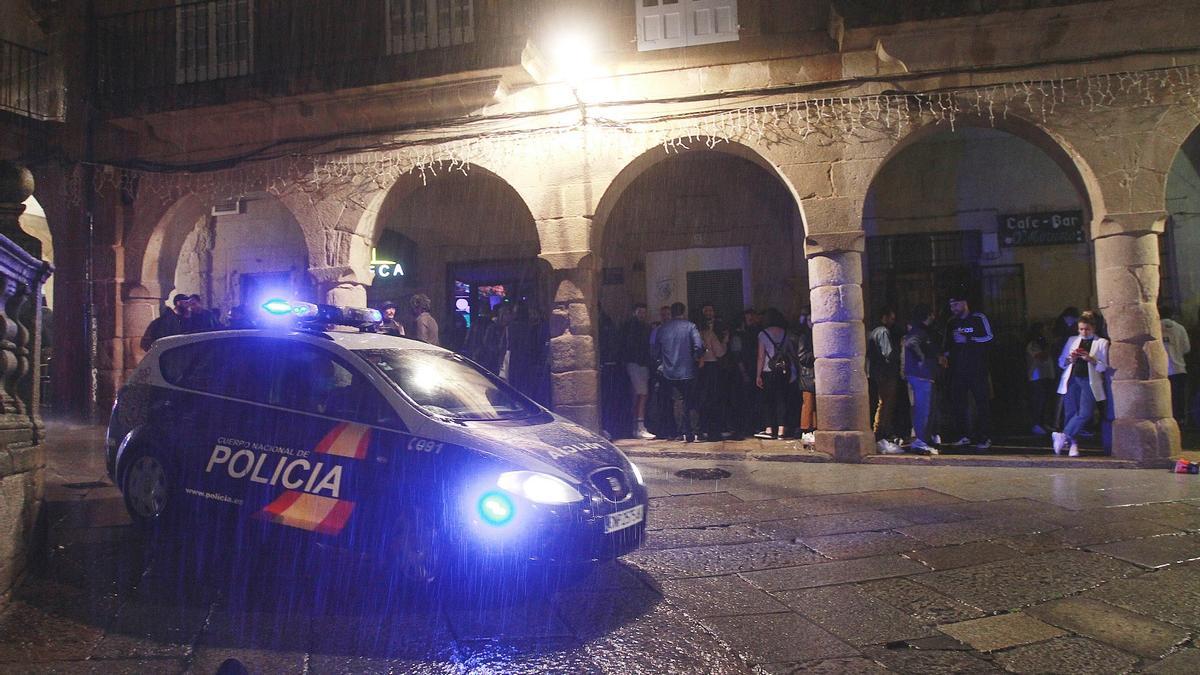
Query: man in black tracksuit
[(968, 335)]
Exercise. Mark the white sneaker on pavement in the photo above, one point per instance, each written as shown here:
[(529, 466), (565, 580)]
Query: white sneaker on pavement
[(962, 441), (1074, 452), (808, 437), (643, 434), (887, 447), (1059, 440)]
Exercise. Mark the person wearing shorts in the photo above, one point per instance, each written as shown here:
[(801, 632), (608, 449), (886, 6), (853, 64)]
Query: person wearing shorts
[(636, 353)]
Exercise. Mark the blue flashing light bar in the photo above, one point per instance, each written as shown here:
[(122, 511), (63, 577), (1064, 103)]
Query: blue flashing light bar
[(359, 317)]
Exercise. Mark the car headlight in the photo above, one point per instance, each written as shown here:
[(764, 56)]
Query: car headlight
[(637, 473), (538, 487)]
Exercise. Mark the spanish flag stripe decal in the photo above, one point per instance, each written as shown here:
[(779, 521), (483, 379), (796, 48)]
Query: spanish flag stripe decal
[(315, 513), (346, 440), (330, 438), (281, 504), (337, 518)]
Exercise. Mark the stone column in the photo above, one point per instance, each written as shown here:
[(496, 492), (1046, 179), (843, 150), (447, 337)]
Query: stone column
[(839, 344), (1127, 278), (21, 432), (574, 375)]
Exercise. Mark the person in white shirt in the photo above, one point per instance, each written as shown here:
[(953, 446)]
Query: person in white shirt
[(1175, 341), (1083, 361)]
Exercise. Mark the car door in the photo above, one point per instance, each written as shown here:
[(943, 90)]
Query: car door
[(217, 420), (330, 448)]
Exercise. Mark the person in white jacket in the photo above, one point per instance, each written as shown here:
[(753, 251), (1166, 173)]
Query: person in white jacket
[(1175, 341), (1083, 361)]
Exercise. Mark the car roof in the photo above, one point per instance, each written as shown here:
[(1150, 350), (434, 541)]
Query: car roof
[(352, 340)]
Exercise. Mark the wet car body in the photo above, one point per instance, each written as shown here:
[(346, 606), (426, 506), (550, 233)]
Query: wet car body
[(312, 434)]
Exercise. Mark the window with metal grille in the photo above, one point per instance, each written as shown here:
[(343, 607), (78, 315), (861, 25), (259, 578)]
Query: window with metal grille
[(416, 25), (213, 39)]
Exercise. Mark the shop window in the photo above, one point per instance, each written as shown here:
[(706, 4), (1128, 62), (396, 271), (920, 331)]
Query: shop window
[(663, 24), (416, 25), (213, 39)]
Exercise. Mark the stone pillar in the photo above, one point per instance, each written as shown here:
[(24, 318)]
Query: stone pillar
[(839, 344), (22, 457), (574, 375), (1127, 278)]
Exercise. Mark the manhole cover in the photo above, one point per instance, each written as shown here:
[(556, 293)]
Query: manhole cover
[(85, 486), (703, 474)]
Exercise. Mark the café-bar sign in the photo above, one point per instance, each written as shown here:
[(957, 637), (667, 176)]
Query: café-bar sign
[(1041, 229)]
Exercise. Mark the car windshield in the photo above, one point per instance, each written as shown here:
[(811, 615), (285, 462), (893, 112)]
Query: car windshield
[(446, 384)]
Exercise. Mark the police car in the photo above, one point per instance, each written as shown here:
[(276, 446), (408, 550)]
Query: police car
[(378, 444)]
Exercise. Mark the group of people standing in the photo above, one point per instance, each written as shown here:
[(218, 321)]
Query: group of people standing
[(708, 379), (188, 314), (949, 366), (419, 323)]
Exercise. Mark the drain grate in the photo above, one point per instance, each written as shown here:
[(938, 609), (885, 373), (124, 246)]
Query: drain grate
[(703, 474)]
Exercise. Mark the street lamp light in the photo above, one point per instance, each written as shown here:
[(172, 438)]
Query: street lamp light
[(572, 60)]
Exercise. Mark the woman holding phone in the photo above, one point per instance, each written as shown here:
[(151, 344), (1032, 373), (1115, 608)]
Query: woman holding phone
[(1083, 361)]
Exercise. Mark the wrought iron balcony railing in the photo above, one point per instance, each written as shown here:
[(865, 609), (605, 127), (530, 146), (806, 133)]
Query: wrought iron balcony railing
[(29, 84)]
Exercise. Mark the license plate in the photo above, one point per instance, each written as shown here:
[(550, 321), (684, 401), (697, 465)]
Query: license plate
[(623, 519)]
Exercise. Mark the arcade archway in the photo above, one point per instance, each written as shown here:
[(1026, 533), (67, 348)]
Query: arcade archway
[(999, 212)]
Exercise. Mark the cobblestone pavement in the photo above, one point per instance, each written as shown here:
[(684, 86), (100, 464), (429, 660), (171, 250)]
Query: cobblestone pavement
[(783, 567)]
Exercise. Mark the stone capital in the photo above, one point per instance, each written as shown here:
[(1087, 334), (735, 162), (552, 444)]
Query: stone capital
[(1145, 222), (564, 260), (825, 243), (338, 274)]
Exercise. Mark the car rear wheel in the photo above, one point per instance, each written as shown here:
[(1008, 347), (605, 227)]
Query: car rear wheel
[(149, 490)]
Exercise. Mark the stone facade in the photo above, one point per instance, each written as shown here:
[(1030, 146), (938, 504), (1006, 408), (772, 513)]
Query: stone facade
[(819, 107)]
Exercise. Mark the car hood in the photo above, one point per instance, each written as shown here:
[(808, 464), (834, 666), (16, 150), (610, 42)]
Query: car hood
[(558, 446)]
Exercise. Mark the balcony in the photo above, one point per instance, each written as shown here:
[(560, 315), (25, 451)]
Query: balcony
[(219, 52), (29, 83)]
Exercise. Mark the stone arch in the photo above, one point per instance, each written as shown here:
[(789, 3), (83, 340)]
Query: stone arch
[(1055, 146), (656, 154), (1181, 236), (657, 163), (462, 228), (930, 218), (36, 223), (697, 224)]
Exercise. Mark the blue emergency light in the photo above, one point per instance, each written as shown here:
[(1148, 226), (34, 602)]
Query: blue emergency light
[(360, 317)]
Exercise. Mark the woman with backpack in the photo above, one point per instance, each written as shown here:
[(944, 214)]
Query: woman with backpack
[(776, 370)]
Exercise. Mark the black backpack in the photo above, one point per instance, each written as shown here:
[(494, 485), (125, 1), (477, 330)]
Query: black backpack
[(781, 361)]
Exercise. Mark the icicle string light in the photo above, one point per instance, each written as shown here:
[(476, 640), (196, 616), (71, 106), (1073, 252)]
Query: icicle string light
[(791, 120)]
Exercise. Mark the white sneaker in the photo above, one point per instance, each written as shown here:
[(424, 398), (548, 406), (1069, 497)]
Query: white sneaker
[(887, 447), (1038, 430), (1059, 440), (1074, 452), (808, 437), (962, 441), (642, 433)]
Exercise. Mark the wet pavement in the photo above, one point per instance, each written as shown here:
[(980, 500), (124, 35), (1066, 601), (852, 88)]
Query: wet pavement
[(782, 567)]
